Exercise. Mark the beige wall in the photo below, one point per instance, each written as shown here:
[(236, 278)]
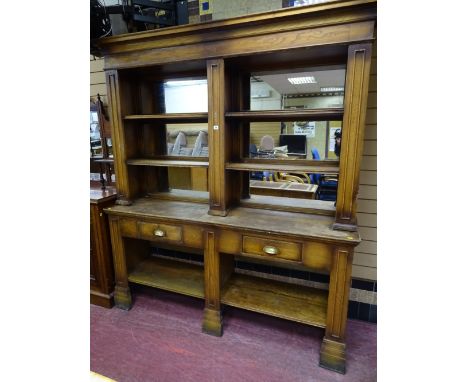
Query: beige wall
[(365, 258), (98, 79)]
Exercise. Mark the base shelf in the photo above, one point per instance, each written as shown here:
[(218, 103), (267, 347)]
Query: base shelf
[(174, 276), (291, 302), (288, 301)]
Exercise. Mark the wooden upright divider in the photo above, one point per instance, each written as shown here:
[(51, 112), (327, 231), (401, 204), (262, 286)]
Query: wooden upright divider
[(216, 134), (352, 141), (227, 222)]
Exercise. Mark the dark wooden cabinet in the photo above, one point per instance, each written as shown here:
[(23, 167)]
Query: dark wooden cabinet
[(101, 265), (229, 221), (102, 158)]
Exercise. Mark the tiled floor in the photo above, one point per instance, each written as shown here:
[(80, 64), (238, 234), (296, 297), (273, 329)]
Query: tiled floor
[(160, 339)]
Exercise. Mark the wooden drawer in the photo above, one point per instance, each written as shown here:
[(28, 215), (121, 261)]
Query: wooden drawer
[(160, 232), (128, 227), (259, 246)]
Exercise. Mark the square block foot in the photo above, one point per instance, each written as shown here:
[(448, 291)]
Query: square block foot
[(212, 322), (122, 298), (333, 356)]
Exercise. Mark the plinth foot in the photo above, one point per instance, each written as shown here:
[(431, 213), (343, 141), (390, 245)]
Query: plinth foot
[(333, 355), (212, 322), (122, 298)]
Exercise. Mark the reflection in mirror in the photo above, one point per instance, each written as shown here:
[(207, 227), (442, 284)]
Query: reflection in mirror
[(186, 95), (95, 134), (310, 89), (180, 183), (188, 178), (294, 140), (295, 185), (188, 139)]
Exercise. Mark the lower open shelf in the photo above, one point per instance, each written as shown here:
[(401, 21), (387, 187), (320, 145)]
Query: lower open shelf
[(174, 276), (276, 298), (289, 301)]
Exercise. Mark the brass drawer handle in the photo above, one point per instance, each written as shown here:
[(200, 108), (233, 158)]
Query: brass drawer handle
[(270, 250), (159, 233)]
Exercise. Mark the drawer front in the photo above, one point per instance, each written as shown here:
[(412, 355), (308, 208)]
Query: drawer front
[(128, 227), (160, 232), (272, 248)]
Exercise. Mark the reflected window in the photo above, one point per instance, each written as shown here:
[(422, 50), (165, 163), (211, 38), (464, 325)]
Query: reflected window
[(186, 96)]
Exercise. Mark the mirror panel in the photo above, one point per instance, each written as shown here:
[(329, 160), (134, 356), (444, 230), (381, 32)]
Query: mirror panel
[(313, 88), (95, 134), (313, 140), (295, 185), (186, 95), (188, 139)]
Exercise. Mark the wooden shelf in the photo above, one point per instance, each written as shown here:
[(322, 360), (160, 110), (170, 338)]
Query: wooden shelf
[(167, 163), (289, 166), (174, 276), (104, 160), (169, 117), (289, 301), (329, 114), (308, 206)]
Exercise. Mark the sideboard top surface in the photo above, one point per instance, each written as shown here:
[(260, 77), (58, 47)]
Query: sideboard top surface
[(240, 218), (98, 195)]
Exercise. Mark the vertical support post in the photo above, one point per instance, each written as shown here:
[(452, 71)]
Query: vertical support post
[(119, 106), (122, 296), (212, 320), (217, 181), (333, 350), (352, 137)]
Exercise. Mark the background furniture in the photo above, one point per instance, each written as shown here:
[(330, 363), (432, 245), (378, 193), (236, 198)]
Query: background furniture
[(283, 189), (102, 158), (327, 184), (297, 144), (101, 265), (227, 225)]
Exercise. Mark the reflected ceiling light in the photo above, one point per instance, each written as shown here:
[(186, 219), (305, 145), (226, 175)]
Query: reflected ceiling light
[(302, 80), (332, 89)]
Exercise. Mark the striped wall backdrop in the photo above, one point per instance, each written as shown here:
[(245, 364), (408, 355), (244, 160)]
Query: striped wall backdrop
[(365, 257)]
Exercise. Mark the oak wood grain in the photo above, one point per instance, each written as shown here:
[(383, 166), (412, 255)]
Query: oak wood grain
[(166, 163), (287, 115), (169, 117), (183, 278), (292, 302), (288, 166), (338, 34), (278, 222)]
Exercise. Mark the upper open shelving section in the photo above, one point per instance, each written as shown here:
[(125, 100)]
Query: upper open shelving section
[(215, 140)]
